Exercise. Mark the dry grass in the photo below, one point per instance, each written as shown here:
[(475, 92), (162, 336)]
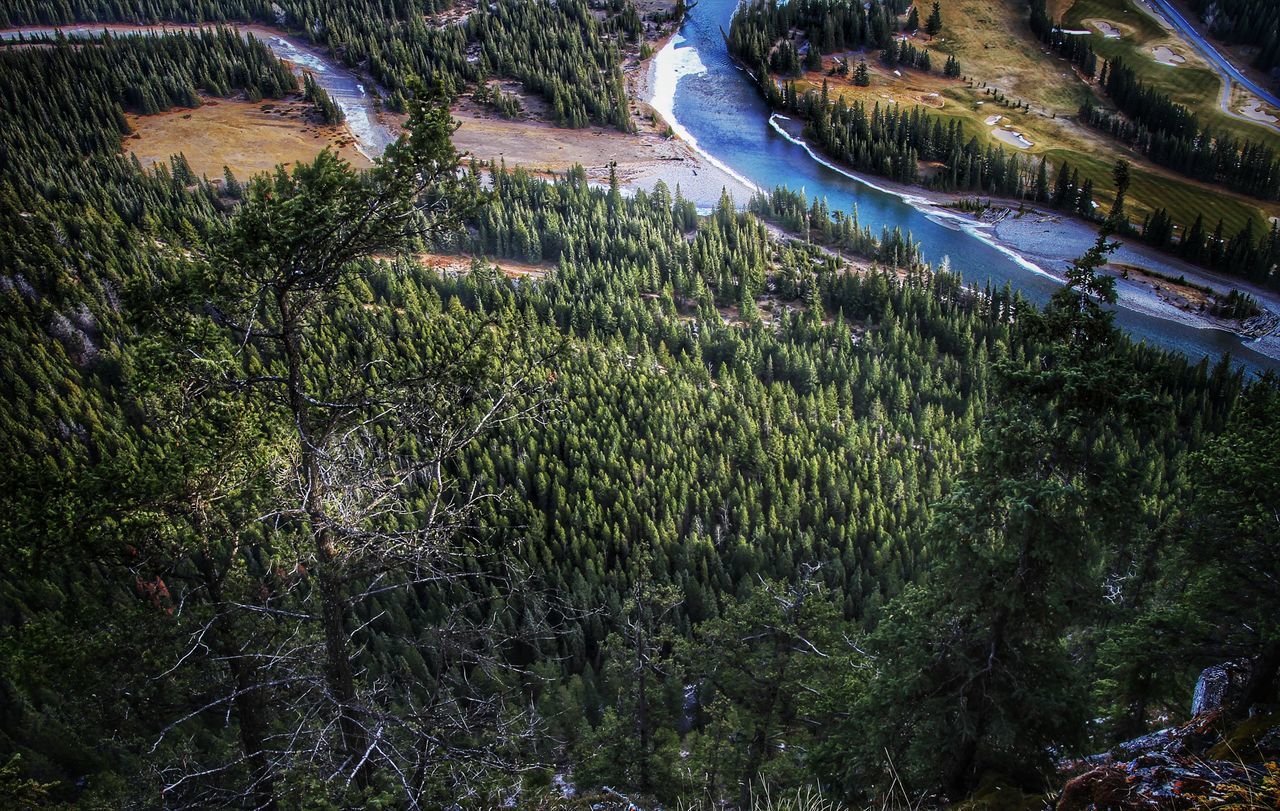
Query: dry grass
[(542, 147), (457, 265), (247, 137), (994, 44)]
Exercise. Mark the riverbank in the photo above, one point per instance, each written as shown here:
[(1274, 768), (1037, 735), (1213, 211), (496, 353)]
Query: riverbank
[(653, 153), (668, 66), (1052, 240), (641, 159), (348, 90), (1043, 243), (1049, 241)]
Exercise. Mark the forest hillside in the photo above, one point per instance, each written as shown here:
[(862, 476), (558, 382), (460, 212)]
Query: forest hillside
[(741, 508)]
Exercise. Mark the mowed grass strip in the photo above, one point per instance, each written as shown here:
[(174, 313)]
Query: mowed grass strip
[(1149, 191)]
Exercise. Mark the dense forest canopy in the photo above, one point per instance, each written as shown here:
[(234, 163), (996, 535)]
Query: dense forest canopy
[(559, 51), (1253, 22), (704, 514)]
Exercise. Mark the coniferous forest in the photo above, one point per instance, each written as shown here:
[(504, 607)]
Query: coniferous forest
[(1245, 21), (557, 51), (725, 507)]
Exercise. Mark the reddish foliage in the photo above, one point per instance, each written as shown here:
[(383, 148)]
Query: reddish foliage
[(156, 592)]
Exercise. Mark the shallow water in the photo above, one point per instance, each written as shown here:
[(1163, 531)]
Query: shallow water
[(717, 105)]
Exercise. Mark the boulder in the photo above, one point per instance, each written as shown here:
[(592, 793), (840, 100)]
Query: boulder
[(1183, 767), (1220, 687)]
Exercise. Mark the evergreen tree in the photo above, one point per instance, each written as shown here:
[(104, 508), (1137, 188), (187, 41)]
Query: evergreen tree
[(1233, 549), (989, 683), (934, 24), (861, 76), (1117, 219)]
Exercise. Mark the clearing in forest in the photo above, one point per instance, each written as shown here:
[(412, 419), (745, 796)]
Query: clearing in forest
[(248, 137)]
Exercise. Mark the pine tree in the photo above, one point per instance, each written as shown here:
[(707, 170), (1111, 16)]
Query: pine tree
[(934, 24), (862, 76), (1117, 219), (971, 671), (1084, 205), (813, 58), (1233, 550), (1042, 182)]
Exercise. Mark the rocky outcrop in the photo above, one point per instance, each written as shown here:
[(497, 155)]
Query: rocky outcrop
[(1209, 760), (1169, 769), (1220, 687)]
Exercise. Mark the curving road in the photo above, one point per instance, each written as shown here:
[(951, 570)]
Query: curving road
[(1229, 72)]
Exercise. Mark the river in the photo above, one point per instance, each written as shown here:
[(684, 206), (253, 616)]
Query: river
[(717, 107)]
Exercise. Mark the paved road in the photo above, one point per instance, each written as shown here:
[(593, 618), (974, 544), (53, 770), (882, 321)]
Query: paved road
[(1228, 71)]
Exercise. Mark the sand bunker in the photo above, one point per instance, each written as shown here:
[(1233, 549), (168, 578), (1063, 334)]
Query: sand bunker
[(1255, 112), (1012, 138), (993, 120), (1167, 56), (1106, 29)]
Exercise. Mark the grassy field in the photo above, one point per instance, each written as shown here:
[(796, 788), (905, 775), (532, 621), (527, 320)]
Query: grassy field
[(993, 42), (1192, 83), (1057, 139), (1182, 199), (247, 137)]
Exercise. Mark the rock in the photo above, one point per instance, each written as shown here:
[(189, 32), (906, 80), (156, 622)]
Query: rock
[(1220, 687), (1150, 781), (1159, 739), (1203, 761)]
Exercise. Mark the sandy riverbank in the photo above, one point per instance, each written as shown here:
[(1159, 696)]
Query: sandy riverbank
[(658, 91), (1052, 240), (641, 159)]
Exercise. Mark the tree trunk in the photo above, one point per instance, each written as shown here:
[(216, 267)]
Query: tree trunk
[(642, 710), (758, 750), (338, 673), (249, 707), (962, 778)]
